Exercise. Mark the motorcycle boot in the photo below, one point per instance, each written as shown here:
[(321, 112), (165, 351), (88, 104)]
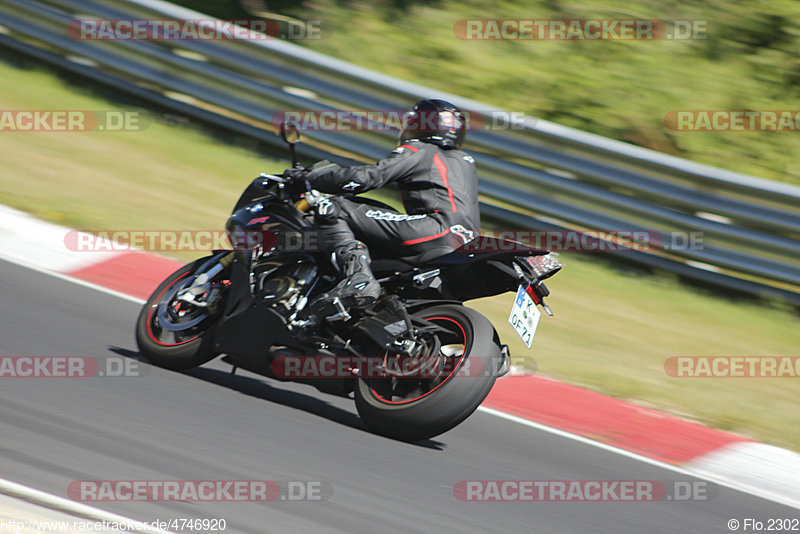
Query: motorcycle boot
[(358, 288)]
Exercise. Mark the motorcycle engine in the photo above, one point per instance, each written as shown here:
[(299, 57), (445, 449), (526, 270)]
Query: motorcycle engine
[(281, 285)]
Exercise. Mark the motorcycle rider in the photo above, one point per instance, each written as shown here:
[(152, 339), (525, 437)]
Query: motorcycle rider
[(438, 185)]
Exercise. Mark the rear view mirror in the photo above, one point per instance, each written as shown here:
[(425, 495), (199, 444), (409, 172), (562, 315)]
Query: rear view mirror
[(289, 133)]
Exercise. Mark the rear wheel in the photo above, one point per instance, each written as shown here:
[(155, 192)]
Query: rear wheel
[(175, 327), (413, 409)]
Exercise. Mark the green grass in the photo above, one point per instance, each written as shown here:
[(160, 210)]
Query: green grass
[(612, 331), (164, 176)]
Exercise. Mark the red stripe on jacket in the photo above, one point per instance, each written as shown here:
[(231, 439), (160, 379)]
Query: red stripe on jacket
[(442, 168), (428, 238), (413, 149)]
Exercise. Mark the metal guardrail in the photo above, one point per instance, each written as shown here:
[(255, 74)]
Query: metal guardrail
[(539, 176)]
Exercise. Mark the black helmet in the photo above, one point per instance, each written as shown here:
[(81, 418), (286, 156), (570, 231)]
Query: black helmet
[(434, 121)]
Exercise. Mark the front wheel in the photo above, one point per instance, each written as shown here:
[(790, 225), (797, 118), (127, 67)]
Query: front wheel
[(175, 327), (418, 408)]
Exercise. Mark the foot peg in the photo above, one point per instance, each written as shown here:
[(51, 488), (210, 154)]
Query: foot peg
[(341, 315)]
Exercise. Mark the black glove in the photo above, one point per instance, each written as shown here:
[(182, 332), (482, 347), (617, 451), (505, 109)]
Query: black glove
[(296, 184), (322, 167), (295, 174)]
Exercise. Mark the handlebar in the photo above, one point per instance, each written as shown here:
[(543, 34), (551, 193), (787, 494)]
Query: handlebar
[(273, 178), (280, 182)]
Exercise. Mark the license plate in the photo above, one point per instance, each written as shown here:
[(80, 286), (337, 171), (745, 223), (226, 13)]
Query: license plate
[(524, 316)]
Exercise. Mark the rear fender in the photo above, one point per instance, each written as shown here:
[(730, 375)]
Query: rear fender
[(483, 277), (415, 305)]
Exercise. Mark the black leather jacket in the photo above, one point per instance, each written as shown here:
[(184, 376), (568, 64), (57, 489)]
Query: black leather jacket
[(431, 180)]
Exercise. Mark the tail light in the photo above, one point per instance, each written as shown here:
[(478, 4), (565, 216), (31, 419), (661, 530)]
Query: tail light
[(543, 266)]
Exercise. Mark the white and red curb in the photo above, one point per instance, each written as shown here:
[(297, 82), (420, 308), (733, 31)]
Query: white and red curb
[(726, 458)]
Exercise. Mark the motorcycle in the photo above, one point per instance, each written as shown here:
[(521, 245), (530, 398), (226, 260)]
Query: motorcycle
[(417, 361)]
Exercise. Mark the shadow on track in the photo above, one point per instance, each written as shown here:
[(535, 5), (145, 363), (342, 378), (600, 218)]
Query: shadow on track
[(261, 389)]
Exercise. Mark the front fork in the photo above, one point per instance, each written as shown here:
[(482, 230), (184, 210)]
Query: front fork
[(203, 278)]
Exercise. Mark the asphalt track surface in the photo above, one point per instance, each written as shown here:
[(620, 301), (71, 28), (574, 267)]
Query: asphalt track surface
[(209, 425)]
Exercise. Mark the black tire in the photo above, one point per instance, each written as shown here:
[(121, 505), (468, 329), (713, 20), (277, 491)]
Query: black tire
[(197, 347), (452, 400)]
